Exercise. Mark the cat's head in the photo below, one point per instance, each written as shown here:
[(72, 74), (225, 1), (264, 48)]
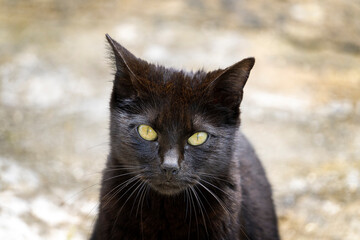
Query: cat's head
[(174, 128)]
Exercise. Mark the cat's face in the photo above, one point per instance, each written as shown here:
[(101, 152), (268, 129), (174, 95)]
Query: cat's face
[(171, 128)]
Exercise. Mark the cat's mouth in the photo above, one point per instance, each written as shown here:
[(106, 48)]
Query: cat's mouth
[(172, 186), (168, 187)]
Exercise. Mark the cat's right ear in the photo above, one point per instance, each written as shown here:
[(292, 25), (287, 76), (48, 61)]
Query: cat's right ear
[(125, 78)]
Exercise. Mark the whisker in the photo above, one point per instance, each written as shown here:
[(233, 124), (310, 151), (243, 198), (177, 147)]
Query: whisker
[(137, 195), (195, 214), (242, 230), (97, 145), (118, 213), (188, 204), (216, 197), (109, 169), (204, 198), (143, 189), (121, 175), (122, 167), (92, 209), (201, 208), (214, 177), (86, 188), (216, 187), (79, 192), (119, 188), (186, 201)]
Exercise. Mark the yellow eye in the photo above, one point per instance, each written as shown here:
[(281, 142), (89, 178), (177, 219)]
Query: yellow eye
[(147, 132), (198, 138)]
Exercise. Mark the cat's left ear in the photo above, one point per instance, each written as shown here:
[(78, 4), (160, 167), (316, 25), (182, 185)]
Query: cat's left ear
[(227, 88)]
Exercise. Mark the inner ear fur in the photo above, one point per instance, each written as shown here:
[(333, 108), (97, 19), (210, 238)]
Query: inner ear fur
[(127, 81)]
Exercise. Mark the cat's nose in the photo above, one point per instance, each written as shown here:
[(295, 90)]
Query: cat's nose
[(170, 165), (169, 169)]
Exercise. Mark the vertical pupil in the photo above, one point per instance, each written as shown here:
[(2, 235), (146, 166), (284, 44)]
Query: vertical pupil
[(147, 130)]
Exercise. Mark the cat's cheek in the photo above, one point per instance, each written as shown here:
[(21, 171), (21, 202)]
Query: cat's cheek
[(147, 152), (192, 158)]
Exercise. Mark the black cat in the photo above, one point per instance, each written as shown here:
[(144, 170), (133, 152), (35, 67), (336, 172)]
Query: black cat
[(179, 167)]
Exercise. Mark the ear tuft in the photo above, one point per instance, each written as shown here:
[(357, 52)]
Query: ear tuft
[(123, 58), (125, 79)]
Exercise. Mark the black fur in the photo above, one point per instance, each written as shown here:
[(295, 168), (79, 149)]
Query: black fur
[(220, 190)]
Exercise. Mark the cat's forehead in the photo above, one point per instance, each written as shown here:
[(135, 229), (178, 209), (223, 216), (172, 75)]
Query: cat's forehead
[(174, 116), (173, 88), (171, 114), (177, 98)]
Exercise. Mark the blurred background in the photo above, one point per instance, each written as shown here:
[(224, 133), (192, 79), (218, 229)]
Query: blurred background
[(301, 107)]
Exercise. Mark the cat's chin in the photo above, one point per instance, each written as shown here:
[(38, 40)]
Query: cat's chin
[(168, 188)]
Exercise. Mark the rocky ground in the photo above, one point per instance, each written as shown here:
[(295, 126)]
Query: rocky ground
[(301, 108)]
